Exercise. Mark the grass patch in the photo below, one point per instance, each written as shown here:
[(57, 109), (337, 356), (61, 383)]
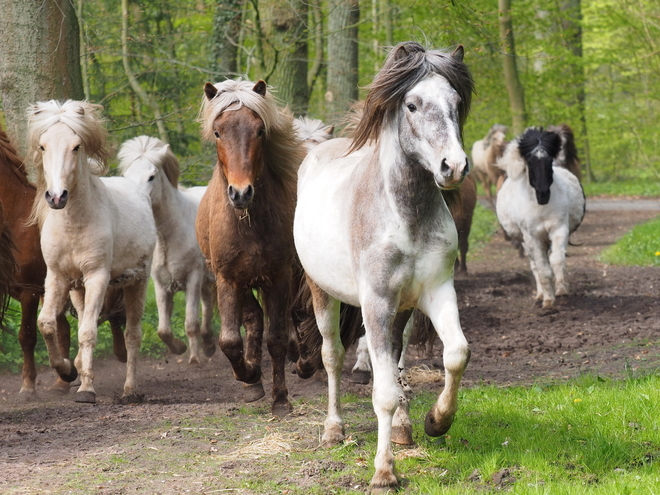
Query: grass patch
[(484, 225), (640, 246), (643, 188)]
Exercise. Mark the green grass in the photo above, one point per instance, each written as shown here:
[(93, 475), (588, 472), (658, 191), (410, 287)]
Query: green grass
[(640, 246), (484, 225), (644, 188)]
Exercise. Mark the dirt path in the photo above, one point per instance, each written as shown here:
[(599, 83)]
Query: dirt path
[(610, 325)]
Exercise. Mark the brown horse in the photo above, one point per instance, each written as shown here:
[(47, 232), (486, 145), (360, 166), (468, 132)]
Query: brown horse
[(245, 227), (567, 156), (7, 263), (463, 219), (485, 153), (17, 195)]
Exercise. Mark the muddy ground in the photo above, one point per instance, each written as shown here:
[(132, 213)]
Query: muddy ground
[(608, 326)]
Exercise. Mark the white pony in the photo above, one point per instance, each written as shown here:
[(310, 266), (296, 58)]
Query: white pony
[(98, 232), (540, 205), (372, 228), (312, 131), (178, 263)]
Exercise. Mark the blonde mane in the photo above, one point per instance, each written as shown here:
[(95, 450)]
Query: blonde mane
[(81, 117), (284, 149), (153, 150)]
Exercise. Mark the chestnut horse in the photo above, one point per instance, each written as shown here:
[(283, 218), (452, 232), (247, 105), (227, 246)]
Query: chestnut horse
[(17, 195), (245, 227)]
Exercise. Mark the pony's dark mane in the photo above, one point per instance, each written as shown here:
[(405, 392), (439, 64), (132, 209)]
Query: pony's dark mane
[(570, 150), (536, 144), (406, 65), (9, 155)]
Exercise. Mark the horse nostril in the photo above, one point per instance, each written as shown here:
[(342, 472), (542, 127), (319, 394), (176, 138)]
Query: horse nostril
[(249, 192), (231, 192), (466, 169), (47, 195), (445, 169), (64, 196)]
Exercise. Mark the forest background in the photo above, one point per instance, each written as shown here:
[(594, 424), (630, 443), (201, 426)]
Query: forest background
[(593, 64)]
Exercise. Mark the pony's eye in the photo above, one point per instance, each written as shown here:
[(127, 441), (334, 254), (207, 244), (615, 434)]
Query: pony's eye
[(411, 107), (151, 178), (41, 148), (76, 148), (261, 132), (217, 134)]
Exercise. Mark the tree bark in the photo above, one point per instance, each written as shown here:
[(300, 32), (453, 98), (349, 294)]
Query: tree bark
[(342, 90), (285, 26), (225, 38), (572, 27), (39, 59), (511, 79)]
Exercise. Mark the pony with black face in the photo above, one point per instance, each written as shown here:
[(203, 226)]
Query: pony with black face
[(540, 205)]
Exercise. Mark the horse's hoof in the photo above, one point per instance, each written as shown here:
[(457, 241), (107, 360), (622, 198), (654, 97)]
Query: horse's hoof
[(402, 435), (132, 398), (435, 428), (85, 397), (305, 370), (121, 356), (73, 374), (281, 409), (383, 482), (193, 361), (208, 345), (360, 376), (332, 435), (27, 395), (60, 387), (177, 347), (253, 391)]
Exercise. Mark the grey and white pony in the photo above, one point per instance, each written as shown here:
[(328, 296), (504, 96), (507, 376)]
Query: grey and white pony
[(540, 205), (178, 263), (372, 228), (96, 233)]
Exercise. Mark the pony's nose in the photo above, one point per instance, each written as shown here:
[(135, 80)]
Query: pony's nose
[(460, 169), (240, 199), (57, 202)]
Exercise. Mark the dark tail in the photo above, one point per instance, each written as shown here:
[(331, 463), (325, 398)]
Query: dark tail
[(7, 266)]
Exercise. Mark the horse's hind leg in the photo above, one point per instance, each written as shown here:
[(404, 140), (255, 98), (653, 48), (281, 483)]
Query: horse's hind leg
[(208, 302), (193, 295), (27, 337), (538, 257), (442, 309), (165, 302), (135, 296), (361, 372), (64, 337), (253, 321), (401, 424)]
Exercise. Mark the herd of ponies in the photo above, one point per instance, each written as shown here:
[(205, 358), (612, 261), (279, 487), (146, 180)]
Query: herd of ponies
[(294, 232)]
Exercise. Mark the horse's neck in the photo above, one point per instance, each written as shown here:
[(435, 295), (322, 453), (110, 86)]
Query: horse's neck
[(410, 190), (169, 213)]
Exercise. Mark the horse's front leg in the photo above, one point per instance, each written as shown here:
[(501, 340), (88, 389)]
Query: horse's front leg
[(135, 296), (327, 312), (55, 297), (537, 251), (442, 308), (164, 303), (277, 302), (208, 303), (231, 306), (96, 284), (559, 242)]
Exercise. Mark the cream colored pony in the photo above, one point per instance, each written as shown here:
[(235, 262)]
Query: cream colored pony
[(95, 233), (178, 262)]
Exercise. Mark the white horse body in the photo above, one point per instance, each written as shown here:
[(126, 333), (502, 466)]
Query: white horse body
[(543, 229), (372, 229), (97, 232), (178, 263)]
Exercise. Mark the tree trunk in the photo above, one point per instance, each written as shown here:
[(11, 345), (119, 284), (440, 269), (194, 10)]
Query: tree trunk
[(511, 79), (285, 27), (142, 94), (226, 31), (342, 90), (572, 26), (39, 59)]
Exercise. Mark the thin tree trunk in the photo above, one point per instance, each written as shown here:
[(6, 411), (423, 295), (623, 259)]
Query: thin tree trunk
[(226, 32), (317, 64), (286, 32), (84, 58), (39, 59), (572, 26), (145, 97), (511, 79), (342, 57)]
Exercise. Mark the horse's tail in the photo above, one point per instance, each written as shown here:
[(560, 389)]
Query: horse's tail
[(307, 331), (8, 266)]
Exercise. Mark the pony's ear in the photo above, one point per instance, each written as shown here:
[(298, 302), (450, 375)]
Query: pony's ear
[(163, 151), (330, 130), (80, 111), (403, 50), (458, 53), (210, 91), (260, 87)]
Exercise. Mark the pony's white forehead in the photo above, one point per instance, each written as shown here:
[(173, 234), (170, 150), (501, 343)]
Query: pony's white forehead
[(435, 87), (58, 132)]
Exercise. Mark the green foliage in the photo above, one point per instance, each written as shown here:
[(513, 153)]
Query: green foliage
[(623, 188), (640, 246), (484, 225)]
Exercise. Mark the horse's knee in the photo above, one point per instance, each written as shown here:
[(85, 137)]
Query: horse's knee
[(456, 358)]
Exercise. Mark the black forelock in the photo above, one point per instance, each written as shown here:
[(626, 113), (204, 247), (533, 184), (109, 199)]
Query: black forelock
[(535, 140)]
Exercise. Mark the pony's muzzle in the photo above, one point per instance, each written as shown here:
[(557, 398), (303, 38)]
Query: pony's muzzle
[(57, 201), (240, 198), (452, 174)]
